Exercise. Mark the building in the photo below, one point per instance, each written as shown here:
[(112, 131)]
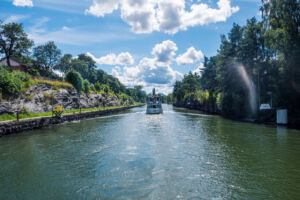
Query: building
[(15, 65)]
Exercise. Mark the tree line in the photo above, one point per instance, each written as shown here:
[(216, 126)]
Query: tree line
[(263, 55), (81, 71)]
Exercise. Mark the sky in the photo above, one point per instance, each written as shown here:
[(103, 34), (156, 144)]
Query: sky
[(151, 43)]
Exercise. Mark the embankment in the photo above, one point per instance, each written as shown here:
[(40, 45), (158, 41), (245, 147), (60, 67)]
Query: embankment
[(13, 126)]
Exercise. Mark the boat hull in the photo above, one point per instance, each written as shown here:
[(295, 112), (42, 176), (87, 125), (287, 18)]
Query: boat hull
[(154, 111)]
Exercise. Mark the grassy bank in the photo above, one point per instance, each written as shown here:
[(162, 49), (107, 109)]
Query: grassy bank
[(73, 111)]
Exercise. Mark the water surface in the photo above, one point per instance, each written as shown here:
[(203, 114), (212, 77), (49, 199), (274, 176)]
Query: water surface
[(130, 155)]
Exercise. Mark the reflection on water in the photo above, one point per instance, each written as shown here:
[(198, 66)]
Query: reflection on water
[(131, 155)]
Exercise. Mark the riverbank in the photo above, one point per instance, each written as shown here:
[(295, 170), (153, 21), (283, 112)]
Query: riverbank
[(269, 122), (12, 126)]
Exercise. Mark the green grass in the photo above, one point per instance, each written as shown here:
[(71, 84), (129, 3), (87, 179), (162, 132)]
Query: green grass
[(55, 84), (73, 111)]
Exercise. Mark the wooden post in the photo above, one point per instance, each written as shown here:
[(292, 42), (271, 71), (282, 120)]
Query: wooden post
[(52, 102), (18, 117)]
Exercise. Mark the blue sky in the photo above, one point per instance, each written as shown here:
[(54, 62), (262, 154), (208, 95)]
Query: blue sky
[(148, 42)]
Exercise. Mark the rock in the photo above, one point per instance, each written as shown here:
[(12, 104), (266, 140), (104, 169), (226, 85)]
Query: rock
[(38, 98)]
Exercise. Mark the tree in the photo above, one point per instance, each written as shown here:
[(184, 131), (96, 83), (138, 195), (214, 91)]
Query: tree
[(86, 86), (65, 63), (13, 41), (81, 67), (47, 56), (75, 79)]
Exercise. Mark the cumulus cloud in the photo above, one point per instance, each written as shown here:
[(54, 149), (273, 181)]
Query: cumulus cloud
[(103, 7), (164, 52), (123, 58), (169, 16), (190, 56), (23, 3), (199, 69), (152, 72)]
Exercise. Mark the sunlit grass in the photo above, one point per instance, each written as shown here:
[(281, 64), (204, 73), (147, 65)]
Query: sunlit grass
[(73, 111), (55, 84)]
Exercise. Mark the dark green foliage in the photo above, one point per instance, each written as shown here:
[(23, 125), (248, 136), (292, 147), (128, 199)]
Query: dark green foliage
[(33, 72), (11, 83), (137, 94), (86, 86), (75, 79)]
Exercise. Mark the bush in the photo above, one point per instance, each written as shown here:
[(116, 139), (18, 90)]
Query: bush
[(10, 85), (93, 88), (75, 79), (33, 72), (86, 86), (97, 86), (21, 75)]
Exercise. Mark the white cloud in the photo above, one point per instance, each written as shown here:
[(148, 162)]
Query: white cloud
[(169, 16), (164, 52), (152, 72), (123, 58), (199, 69), (65, 28), (14, 18), (23, 3), (190, 56), (103, 7)]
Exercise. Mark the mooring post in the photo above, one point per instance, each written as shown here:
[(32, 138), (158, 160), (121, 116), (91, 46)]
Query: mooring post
[(18, 117)]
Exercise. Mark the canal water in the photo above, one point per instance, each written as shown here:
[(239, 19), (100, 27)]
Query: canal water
[(130, 155)]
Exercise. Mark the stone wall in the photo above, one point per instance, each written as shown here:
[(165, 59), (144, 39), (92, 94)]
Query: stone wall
[(13, 126)]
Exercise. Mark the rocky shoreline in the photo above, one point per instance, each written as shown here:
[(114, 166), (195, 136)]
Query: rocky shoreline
[(13, 126), (40, 98)]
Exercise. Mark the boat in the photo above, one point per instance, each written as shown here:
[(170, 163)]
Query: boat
[(154, 104)]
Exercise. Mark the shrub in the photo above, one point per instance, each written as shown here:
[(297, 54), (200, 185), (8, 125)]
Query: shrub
[(46, 95), (30, 97), (21, 75), (33, 72), (25, 110), (86, 86), (75, 79), (93, 88), (10, 85), (58, 110)]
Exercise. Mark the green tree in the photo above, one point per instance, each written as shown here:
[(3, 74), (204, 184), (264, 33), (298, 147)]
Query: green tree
[(65, 63), (47, 56), (14, 41), (86, 86), (81, 67), (75, 79)]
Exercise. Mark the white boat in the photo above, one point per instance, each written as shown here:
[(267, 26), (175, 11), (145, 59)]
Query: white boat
[(154, 104)]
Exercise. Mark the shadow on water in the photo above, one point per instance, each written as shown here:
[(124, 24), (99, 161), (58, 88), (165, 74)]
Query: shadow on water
[(131, 155)]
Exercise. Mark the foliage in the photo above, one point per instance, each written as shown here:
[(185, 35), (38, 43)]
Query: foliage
[(46, 56), (14, 41), (57, 111), (10, 83), (75, 79), (33, 72), (86, 86)]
